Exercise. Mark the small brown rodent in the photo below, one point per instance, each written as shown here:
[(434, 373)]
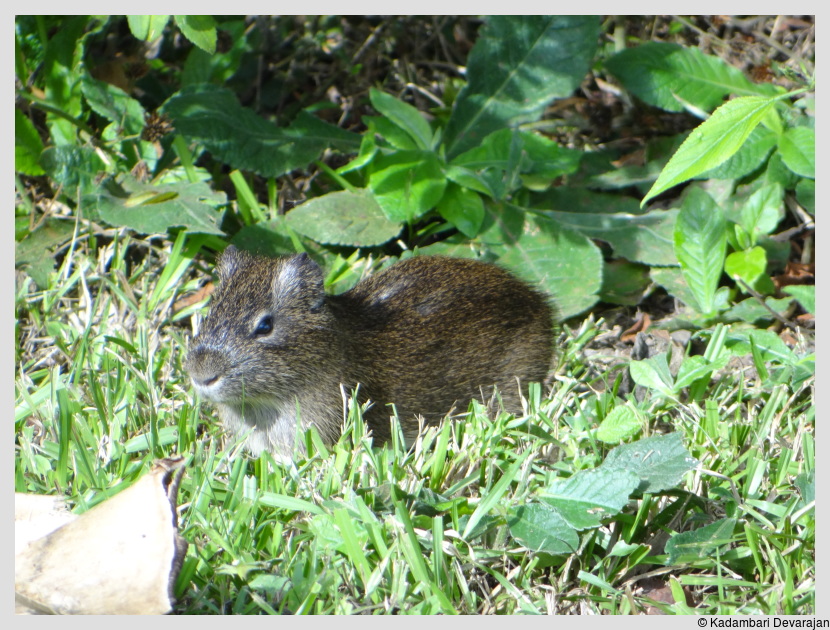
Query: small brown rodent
[(427, 334)]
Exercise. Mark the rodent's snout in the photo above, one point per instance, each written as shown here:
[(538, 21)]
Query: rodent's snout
[(206, 368)]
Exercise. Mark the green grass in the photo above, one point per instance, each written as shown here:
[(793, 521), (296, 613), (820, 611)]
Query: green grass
[(360, 528)]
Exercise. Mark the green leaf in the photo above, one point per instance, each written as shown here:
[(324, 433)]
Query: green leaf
[(73, 167), (517, 66), (27, 146), (695, 368), (540, 528), (748, 264), (40, 243), (154, 209), (752, 154), (659, 461), (509, 157), (561, 262), (752, 311), (591, 495), (646, 238), (199, 29), (404, 116), (667, 75), (147, 27), (271, 238), (407, 184), (463, 208), (343, 218), (389, 131), (700, 543), (621, 422), (624, 282), (805, 193), (713, 142), (700, 247), (114, 104), (798, 150), (653, 373), (237, 136), (763, 211), (806, 296)]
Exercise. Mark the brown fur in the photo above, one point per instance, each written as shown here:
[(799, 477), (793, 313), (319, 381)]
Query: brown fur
[(428, 334)]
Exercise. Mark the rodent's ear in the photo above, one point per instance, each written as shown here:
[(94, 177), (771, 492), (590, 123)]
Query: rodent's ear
[(228, 263), (299, 277)]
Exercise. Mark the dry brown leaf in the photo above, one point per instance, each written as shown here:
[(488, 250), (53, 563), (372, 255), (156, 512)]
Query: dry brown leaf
[(120, 557)]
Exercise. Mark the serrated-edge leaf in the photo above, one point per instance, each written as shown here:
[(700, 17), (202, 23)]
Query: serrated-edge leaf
[(700, 246), (798, 151), (713, 142), (547, 58)]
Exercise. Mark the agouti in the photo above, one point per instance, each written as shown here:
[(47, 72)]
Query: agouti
[(428, 334)]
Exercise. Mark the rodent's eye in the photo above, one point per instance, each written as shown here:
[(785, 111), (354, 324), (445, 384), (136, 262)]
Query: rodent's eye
[(265, 326)]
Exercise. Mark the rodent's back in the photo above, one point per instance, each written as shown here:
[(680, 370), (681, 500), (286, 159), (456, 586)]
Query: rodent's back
[(439, 331)]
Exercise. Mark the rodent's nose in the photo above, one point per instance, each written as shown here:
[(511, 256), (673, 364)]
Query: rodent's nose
[(204, 366)]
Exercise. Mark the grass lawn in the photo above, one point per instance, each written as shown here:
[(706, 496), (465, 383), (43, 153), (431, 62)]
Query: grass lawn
[(695, 492)]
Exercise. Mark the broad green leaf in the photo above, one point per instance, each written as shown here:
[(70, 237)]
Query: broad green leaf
[(271, 238), (114, 104), (343, 218), (590, 495), (517, 66), (702, 542), (236, 135), (407, 184), (199, 29), (463, 208), (624, 282), (713, 142), (653, 373), (806, 296), (73, 167), (404, 116), (40, 243), (798, 150), (508, 157), (147, 27), (561, 262), (154, 209), (621, 422), (763, 211), (752, 311), (805, 193), (62, 72), (636, 236), (700, 247), (697, 367), (27, 146), (752, 154), (540, 528), (747, 264), (392, 133), (667, 75), (659, 461)]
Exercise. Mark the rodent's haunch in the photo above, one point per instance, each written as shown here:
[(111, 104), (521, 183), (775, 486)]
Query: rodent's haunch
[(428, 334)]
